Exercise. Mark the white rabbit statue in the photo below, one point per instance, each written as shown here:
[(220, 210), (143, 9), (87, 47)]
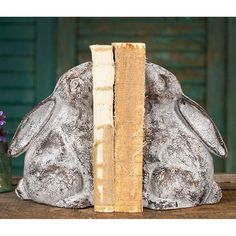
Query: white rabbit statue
[(179, 136), (57, 138)]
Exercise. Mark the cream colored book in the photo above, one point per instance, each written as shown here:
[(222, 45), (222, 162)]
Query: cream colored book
[(103, 149), (129, 122)]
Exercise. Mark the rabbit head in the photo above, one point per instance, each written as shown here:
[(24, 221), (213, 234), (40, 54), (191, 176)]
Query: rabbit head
[(161, 84), (74, 87)]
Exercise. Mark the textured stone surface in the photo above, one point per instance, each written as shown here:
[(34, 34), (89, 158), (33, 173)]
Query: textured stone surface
[(57, 137), (179, 136)]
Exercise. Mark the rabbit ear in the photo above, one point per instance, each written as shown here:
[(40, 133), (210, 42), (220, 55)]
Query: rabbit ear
[(30, 126), (201, 123)]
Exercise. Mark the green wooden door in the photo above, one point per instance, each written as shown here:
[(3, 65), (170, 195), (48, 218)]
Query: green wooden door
[(26, 69), (178, 44), (34, 52)]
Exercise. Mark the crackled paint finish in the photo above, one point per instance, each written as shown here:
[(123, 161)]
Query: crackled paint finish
[(179, 136)]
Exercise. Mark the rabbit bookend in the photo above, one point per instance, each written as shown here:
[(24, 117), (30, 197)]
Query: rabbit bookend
[(57, 136)]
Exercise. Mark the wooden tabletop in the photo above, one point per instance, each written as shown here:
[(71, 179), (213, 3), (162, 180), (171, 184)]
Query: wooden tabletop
[(11, 207)]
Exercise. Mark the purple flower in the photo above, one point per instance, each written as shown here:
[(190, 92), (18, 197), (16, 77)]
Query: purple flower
[(2, 117)]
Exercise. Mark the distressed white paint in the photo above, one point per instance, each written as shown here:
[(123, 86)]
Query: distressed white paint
[(57, 138), (178, 166)]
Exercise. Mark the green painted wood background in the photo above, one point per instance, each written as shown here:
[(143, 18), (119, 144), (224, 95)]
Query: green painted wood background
[(34, 52)]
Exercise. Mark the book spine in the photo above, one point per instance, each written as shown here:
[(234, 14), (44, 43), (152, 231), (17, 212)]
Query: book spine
[(103, 148), (129, 122)]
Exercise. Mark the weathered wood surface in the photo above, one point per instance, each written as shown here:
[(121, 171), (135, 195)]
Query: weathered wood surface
[(216, 77), (12, 207), (178, 44), (159, 44), (231, 95), (146, 26), (129, 123), (226, 181), (66, 40), (44, 57), (11, 32)]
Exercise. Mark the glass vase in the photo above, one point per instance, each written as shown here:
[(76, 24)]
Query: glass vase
[(5, 169)]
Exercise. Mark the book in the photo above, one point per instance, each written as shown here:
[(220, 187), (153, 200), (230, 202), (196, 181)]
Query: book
[(103, 148), (129, 122)]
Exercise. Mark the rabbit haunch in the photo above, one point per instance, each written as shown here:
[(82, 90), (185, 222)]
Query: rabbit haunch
[(57, 136)]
